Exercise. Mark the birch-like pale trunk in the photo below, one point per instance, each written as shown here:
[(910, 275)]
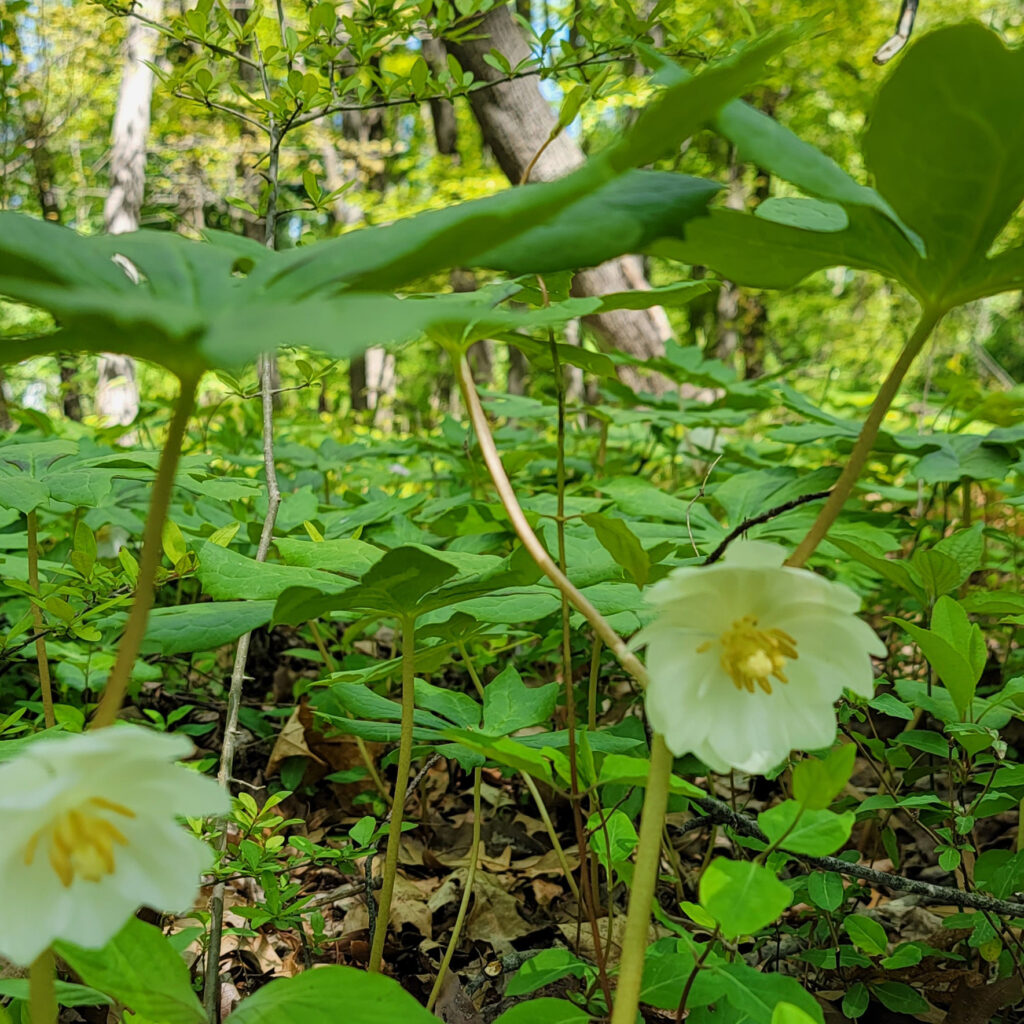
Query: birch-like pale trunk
[(117, 393)]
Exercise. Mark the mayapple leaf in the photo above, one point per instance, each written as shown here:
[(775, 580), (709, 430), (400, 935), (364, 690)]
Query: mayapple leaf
[(214, 304), (766, 253), (626, 215), (411, 580), (948, 163), (945, 148), (509, 704)]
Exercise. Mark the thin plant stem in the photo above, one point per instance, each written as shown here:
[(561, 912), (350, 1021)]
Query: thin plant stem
[(211, 990), (149, 560), (866, 439), (467, 893), (45, 686), (387, 889), (595, 672), (471, 669), (364, 753), (492, 459), (588, 878), (563, 861), (42, 989), (645, 879)]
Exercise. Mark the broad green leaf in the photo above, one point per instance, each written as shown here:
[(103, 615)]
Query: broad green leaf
[(938, 572), (826, 889), (227, 575), (510, 705), (768, 144), (817, 783), (348, 557), (547, 966), (742, 896), (621, 769), (814, 832), (314, 997), (141, 969), (68, 994), (787, 1013), (952, 667), (900, 998), (613, 837), (757, 993), (202, 627), (856, 1000), (22, 492), (761, 253), (411, 580), (944, 148), (459, 708), (622, 544), (949, 620), (866, 934), (545, 1011), (626, 215)]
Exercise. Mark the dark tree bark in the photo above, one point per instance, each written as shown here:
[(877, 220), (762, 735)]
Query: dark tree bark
[(442, 111), (516, 122)]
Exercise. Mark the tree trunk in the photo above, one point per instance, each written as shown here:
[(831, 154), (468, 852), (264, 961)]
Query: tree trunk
[(117, 392), (516, 122), (442, 111)]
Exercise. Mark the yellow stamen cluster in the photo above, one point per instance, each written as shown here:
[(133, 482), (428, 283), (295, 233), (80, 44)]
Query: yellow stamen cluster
[(81, 841), (753, 656)]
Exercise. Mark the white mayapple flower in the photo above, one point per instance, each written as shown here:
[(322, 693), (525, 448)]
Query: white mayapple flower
[(88, 835), (746, 658)]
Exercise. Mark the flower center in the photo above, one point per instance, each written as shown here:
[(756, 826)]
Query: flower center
[(81, 841), (752, 656)]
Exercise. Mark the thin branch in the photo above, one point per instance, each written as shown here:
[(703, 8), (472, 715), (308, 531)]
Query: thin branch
[(764, 517), (723, 814), (223, 108), (211, 992)]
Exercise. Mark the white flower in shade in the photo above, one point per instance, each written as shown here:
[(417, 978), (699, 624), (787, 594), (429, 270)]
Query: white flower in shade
[(88, 835), (747, 657)]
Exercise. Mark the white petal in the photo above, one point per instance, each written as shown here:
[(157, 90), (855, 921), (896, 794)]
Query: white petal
[(754, 554)]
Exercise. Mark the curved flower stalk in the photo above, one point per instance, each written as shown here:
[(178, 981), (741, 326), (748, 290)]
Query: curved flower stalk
[(89, 835), (747, 657)]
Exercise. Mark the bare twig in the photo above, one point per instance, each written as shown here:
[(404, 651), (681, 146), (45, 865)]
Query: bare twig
[(211, 992), (764, 517), (723, 814)]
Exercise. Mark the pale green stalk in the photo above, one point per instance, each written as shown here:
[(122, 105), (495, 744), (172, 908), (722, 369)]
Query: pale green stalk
[(866, 439), (387, 889), (42, 989), (467, 893)]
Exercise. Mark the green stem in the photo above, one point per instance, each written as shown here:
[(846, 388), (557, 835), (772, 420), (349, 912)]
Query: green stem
[(42, 989), (364, 751), (387, 889), (45, 687), (467, 892), (149, 561), (645, 880), (506, 493), (866, 440), (556, 845)]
